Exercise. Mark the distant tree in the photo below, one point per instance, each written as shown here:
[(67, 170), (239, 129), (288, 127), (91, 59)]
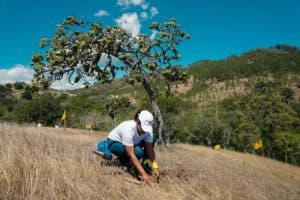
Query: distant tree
[(260, 87), (284, 47), (4, 91), (8, 86), (114, 104), (19, 85), (287, 94), (45, 110), (3, 111), (209, 128), (77, 47), (262, 116), (27, 94), (34, 89), (286, 147)]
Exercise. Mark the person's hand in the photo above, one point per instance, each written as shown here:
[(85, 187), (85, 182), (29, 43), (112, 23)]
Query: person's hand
[(148, 180)]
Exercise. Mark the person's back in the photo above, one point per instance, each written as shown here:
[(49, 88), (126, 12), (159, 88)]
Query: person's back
[(127, 134)]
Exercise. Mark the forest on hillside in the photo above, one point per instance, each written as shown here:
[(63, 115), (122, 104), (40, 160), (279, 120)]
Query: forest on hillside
[(233, 102)]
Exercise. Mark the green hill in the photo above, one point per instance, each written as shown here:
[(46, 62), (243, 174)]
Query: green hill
[(277, 60)]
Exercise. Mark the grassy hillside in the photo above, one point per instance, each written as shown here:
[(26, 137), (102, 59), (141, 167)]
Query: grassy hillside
[(47, 163), (233, 102)]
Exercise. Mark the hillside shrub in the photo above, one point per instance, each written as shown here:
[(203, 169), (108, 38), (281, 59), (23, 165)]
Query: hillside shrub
[(286, 147), (45, 110)]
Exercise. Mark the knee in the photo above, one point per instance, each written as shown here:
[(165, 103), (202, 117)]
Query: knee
[(117, 149)]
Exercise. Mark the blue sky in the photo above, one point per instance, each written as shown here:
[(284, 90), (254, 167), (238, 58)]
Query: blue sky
[(219, 28)]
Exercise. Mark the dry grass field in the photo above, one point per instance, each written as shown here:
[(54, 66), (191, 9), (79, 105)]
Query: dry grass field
[(48, 163)]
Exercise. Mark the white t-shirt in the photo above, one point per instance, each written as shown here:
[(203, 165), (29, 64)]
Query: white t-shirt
[(127, 134)]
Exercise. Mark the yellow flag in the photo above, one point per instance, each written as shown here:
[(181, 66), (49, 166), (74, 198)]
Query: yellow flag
[(90, 126), (258, 144), (64, 116)]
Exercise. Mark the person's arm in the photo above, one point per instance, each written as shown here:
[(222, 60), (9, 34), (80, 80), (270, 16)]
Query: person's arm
[(150, 151), (151, 156), (130, 152)]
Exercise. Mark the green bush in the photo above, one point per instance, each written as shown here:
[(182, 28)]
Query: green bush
[(286, 147), (287, 94), (4, 90), (45, 110), (19, 85), (27, 95), (3, 111), (8, 102)]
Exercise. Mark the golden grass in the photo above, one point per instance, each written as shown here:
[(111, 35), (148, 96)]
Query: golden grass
[(46, 163)]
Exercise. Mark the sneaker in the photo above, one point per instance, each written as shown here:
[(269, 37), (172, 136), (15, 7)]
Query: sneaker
[(99, 153)]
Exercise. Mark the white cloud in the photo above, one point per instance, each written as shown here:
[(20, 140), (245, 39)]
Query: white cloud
[(104, 59), (145, 6), (130, 22), (101, 13), (18, 73), (128, 3), (144, 15), (153, 35), (64, 84), (153, 11)]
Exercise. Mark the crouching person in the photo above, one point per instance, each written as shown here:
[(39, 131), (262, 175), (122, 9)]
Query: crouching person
[(132, 140)]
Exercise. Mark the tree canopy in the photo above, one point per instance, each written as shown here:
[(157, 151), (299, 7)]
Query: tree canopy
[(78, 46)]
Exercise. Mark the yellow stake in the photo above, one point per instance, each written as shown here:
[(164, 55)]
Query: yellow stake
[(64, 118)]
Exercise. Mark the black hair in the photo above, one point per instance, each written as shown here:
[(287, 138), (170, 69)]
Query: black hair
[(136, 116)]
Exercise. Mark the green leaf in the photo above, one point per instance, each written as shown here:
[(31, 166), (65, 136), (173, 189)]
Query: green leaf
[(43, 43), (77, 79), (154, 25)]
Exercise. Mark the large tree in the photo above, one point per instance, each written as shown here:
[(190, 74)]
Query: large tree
[(78, 46)]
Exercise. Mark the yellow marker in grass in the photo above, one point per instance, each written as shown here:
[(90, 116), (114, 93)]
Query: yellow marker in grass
[(153, 166)]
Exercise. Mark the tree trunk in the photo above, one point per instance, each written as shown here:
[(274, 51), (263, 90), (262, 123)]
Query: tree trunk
[(152, 95)]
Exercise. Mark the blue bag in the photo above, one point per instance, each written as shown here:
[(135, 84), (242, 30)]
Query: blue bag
[(103, 146)]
